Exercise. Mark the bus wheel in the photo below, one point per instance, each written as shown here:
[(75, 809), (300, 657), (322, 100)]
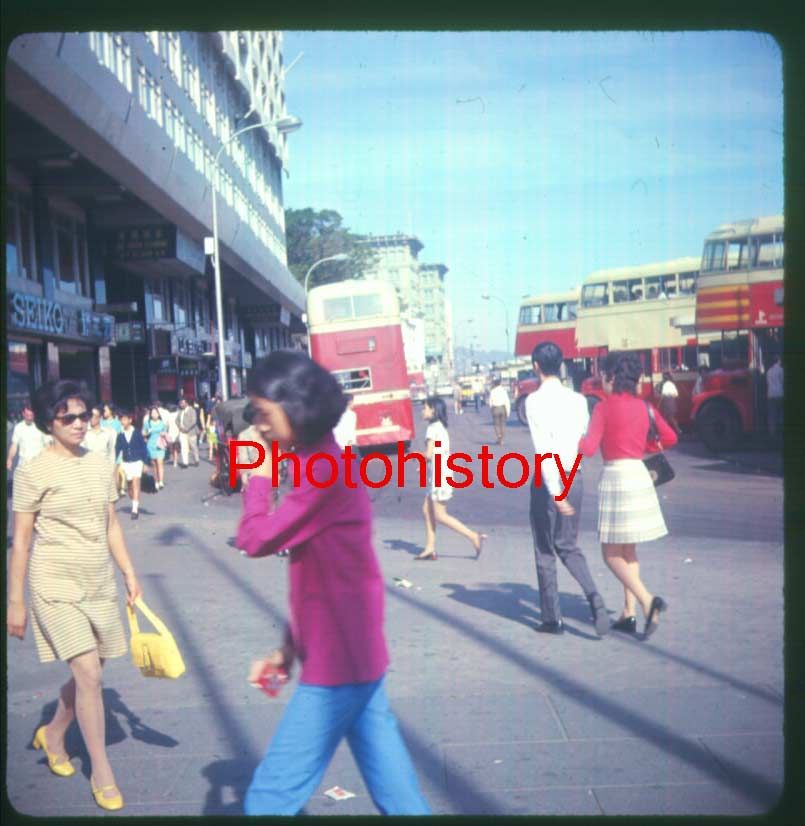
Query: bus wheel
[(718, 426), (592, 401), (520, 410)]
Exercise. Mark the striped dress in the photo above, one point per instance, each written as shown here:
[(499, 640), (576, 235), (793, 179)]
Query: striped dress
[(74, 607)]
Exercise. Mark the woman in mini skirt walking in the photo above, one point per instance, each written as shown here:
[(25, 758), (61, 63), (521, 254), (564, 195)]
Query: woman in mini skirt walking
[(628, 508)]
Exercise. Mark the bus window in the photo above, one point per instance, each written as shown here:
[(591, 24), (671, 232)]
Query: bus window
[(767, 251), (571, 310), (687, 283), (551, 312), (737, 254), (595, 295), (531, 314), (359, 379), (366, 305), (336, 309), (713, 259), (627, 290)]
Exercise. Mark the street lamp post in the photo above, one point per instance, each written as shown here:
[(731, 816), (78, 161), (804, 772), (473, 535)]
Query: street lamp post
[(283, 126), (506, 311), (339, 256)]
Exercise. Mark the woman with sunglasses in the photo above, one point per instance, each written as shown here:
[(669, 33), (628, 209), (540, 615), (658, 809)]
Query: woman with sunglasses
[(67, 494)]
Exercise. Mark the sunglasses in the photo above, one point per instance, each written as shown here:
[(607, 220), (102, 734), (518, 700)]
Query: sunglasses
[(69, 418)]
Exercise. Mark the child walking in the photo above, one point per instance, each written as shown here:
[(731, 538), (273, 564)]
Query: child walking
[(336, 601), (434, 509)]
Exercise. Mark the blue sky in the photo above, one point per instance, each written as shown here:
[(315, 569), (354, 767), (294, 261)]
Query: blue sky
[(525, 160)]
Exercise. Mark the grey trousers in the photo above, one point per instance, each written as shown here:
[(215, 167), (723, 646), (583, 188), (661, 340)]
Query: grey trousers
[(557, 535)]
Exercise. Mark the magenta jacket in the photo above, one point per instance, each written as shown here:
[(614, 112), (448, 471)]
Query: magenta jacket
[(336, 586)]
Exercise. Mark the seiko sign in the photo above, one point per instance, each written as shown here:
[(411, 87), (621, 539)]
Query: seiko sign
[(40, 315)]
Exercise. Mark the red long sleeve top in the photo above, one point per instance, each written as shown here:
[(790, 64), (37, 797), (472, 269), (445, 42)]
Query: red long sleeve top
[(619, 425), (336, 586)]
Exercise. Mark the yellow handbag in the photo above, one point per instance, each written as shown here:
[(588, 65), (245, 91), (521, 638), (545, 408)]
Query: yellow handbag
[(156, 655)]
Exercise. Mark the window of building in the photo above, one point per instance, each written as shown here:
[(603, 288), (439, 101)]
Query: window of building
[(20, 252), (180, 134), (122, 57), (170, 118), (174, 55), (70, 255), (158, 289), (231, 321), (181, 304), (190, 80), (201, 309), (153, 39)]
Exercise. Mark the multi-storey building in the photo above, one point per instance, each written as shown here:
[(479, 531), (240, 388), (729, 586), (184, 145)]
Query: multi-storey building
[(396, 263), (111, 145), (432, 302)]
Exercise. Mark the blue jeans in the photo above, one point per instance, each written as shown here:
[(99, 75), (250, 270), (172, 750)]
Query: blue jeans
[(315, 721)]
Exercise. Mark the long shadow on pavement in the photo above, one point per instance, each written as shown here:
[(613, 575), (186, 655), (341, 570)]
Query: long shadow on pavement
[(726, 771), (517, 602)]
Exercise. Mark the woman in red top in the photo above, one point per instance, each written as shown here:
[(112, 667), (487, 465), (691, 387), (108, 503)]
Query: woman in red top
[(628, 509), (336, 599)]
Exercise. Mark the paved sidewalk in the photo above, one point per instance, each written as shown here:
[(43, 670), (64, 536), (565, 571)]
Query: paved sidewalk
[(499, 720)]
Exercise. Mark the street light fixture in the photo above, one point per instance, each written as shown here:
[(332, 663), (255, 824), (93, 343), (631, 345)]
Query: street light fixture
[(506, 311), (283, 126), (339, 256)]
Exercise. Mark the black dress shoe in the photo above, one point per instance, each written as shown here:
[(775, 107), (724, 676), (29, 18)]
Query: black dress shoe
[(135, 515), (600, 616), (626, 624), (550, 627), (658, 604)]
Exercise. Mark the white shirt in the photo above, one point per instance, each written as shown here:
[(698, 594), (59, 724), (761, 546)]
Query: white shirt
[(557, 418), (102, 440), (774, 381), (437, 432), (498, 397), (669, 389), (345, 431), (29, 439)]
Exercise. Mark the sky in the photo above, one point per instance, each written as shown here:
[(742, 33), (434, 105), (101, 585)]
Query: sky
[(524, 161)]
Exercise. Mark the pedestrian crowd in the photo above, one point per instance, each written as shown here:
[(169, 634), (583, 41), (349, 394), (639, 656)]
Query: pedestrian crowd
[(75, 459)]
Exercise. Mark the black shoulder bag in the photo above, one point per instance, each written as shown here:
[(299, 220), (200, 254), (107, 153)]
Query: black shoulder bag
[(659, 468)]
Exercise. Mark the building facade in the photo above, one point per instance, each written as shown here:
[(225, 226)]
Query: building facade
[(396, 263), (111, 140), (432, 302)]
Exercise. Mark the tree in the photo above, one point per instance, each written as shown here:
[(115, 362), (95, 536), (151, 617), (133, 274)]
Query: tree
[(311, 235)]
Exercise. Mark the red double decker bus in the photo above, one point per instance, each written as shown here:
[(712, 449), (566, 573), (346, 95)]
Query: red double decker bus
[(355, 333), (739, 322)]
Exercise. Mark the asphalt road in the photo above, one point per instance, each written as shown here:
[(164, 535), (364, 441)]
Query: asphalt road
[(498, 719)]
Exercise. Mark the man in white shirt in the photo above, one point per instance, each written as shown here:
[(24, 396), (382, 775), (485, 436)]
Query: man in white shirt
[(558, 418), (100, 439), (501, 407), (774, 397), (669, 394), (27, 440), (345, 432)]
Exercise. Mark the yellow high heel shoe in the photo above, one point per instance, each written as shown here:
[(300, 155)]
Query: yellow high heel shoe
[(111, 804), (63, 769)]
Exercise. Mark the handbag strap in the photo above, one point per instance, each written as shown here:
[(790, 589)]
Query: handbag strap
[(653, 436), (149, 615)]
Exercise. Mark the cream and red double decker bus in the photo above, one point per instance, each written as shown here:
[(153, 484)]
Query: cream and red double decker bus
[(650, 310), (355, 333), (548, 317), (739, 321)]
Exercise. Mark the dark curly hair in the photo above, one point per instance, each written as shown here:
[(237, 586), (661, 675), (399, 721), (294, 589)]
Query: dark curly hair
[(50, 400), (310, 397), (624, 371)]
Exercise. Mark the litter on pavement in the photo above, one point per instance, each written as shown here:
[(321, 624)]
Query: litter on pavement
[(337, 793), (401, 582)]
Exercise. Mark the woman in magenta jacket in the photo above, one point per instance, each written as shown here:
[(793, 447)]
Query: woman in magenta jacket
[(336, 599), (628, 509)]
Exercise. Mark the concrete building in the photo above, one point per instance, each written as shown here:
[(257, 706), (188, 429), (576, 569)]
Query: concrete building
[(432, 298), (110, 146), (396, 263)]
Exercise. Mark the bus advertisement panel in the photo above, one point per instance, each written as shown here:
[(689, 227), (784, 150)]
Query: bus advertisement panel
[(355, 333), (739, 321)]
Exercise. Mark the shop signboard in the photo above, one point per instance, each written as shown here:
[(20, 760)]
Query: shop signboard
[(129, 331), (142, 243), (32, 313)]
